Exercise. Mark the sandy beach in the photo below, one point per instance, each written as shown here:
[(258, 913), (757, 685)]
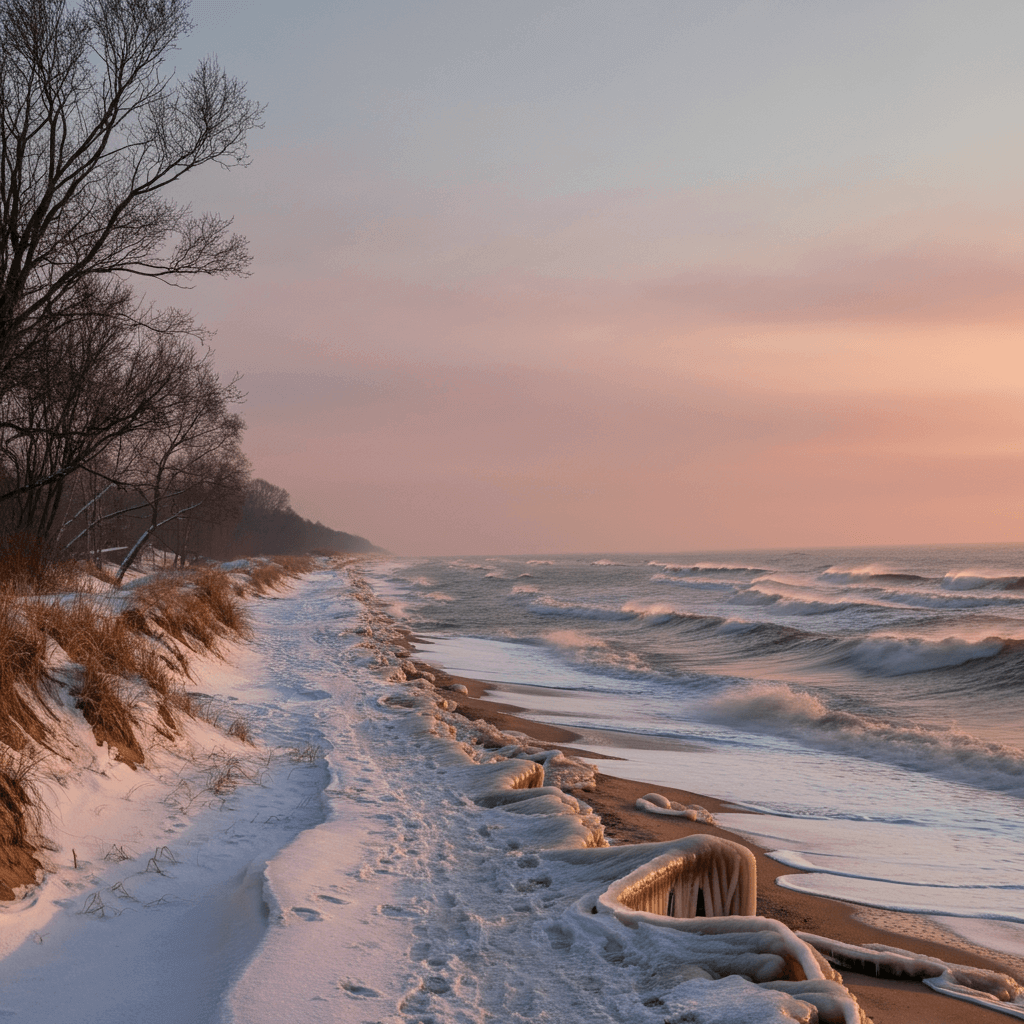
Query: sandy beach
[(886, 1001)]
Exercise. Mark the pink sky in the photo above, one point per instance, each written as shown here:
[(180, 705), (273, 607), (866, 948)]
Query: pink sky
[(537, 285)]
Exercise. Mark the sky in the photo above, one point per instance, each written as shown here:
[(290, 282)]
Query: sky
[(646, 276)]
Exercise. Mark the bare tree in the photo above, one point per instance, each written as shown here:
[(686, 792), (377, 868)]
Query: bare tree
[(97, 383), (264, 498), (94, 126), (178, 458)]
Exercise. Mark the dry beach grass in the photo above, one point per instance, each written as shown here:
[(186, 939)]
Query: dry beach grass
[(121, 655)]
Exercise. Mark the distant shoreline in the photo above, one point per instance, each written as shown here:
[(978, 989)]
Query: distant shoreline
[(886, 1001)]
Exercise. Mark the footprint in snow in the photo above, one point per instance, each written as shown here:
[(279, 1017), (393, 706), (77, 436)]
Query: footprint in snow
[(333, 899), (308, 913)]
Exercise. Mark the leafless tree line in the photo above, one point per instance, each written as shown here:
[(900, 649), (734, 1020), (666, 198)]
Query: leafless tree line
[(115, 429)]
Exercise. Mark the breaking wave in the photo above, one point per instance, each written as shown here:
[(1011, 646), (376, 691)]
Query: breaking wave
[(976, 581), (778, 709), (553, 606), (672, 567), (755, 597), (871, 572), (896, 656)]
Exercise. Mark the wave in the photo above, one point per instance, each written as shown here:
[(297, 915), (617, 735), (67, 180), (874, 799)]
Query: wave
[(441, 598), (539, 561), (875, 655), (696, 583), (872, 572), (778, 709), (897, 656), (655, 614), (977, 581), (552, 606), (950, 601), (589, 651), (608, 561), (870, 600), (788, 605), (649, 614), (524, 588), (672, 567)]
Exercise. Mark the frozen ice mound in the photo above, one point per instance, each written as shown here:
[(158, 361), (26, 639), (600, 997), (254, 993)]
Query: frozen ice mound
[(655, 803), (993, 989), (701, 876)]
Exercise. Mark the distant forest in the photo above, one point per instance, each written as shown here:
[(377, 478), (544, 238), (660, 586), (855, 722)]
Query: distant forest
[(117, 434), (269, 526)]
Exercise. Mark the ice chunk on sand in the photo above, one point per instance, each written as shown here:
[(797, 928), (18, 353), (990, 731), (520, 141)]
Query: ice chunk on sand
[(655, 803)]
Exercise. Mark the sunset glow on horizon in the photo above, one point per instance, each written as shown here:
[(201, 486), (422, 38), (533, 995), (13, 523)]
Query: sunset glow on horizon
[(588, 276)]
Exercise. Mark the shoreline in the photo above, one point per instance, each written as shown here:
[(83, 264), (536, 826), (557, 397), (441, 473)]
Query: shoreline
[(886, 1001)]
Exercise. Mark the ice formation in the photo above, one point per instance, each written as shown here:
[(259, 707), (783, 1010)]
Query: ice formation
[(992, 989), (655, 803)]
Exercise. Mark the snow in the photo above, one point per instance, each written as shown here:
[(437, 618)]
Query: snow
[(374, 857)]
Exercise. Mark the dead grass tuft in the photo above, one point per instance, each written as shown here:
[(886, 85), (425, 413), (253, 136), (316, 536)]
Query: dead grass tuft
[(19, 819), (160, 858), (195, 609), (269, 575), (111, 657), (108, 709), (22, 676), (217, 592), (308, 753), (241, 729), (226, 774)]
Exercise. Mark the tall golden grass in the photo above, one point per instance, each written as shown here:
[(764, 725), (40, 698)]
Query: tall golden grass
[(125, 649), (267, 575)]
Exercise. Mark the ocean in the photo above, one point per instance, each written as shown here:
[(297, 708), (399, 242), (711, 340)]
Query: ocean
[(869, 701)]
